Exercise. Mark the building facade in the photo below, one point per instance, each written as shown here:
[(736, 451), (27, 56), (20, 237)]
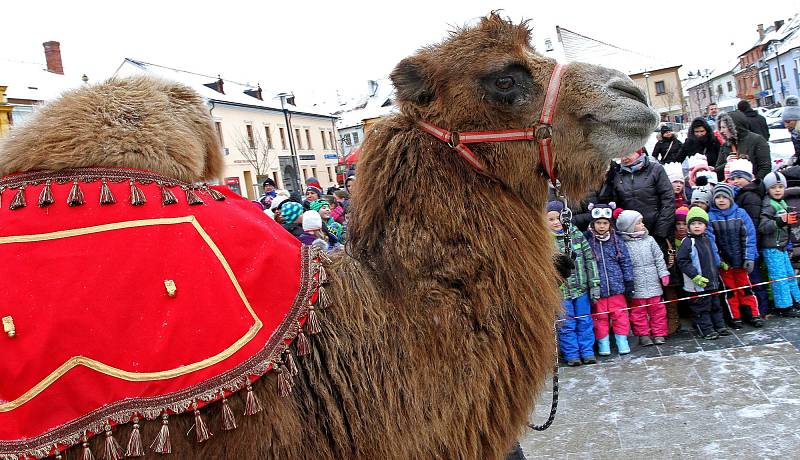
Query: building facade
[(664, 91), (718, 87), (259, 138)]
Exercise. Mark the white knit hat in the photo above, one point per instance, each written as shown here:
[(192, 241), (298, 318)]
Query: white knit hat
[(740, 167), (312, 221), (698, 159), (674, 171)]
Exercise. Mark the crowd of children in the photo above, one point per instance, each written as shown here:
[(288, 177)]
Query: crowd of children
[(727, 236)]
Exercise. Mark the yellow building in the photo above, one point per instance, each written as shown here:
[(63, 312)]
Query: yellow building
[(258, 137), (5, 113)]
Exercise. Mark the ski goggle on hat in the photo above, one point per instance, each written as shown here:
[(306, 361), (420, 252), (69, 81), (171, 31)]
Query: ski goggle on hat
[(602, 213)]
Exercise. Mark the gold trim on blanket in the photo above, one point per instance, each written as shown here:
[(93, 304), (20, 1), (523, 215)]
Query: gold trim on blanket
[(120, 373)]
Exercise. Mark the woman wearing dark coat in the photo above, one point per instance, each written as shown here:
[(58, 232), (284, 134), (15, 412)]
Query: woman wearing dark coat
[(743, 144), (701, 139), (668, 148)]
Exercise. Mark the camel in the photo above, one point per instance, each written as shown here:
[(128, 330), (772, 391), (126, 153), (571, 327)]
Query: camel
[(438, 332)]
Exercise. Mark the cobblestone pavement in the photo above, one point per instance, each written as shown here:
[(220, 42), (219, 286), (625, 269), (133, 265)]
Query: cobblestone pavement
[(736, 397)]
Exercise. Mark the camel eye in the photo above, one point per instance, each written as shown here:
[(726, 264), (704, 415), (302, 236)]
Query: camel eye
[(504, 83)]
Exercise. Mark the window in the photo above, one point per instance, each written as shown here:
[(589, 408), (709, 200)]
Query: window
[(275, 178), (305, 174), (324, 140), (766, 80), (347, 140), (314, 173), (309, 145), (719, 90), (219, 133), (250, 140), (660, 87), (355, 138), (333, 143), (297, 139), (730, 87), (330, 174), (783, 72), (269, 138), (283, 137), (703, 93)]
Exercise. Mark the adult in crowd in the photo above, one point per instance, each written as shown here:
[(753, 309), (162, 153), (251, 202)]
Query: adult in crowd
[(313, 193), (750, 119), (642, 185), (269, 193), (711, 117), (741, 143), (701, 139), (581, 215), (668, 148), (791, 113)]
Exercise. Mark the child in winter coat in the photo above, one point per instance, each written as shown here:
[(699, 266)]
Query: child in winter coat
[(736, 243), (701, 196), (616, 279), (575, 336), (773, 229), (699, 262), (649, 274), (675, 175)]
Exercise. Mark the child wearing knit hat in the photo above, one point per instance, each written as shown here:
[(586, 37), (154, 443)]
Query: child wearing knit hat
[(292, 217), (616, 280), (649, 275), (699, 262), (773, 228), (575, 334), (675, 175), (735, 236), (701, 197)]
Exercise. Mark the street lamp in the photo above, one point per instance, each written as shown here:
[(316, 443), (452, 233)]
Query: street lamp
[(290, 131), (774, 49), (647, 86)]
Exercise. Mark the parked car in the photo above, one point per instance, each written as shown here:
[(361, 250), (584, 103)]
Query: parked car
[(773, 116), (781, 148)]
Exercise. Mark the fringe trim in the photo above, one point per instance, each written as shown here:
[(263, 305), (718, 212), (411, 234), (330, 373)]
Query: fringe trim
[(113, 449), (192, 197), (200, 428), (288, 361), (58, 455), (228, 419), (216, 195), (138, 197), (303, 345), (87, 452), (19, 199), (135, 448), (106, 196), (167, 197), (46, 195), (162, 444), (312, 322), (284, 381), (252, 405), (75, 197)]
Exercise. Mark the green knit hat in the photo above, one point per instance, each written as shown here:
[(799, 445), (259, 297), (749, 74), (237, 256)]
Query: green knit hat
[(316, 205), (696, 213)]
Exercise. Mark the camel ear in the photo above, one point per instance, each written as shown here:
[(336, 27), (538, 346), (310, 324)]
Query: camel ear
[(411, 82)]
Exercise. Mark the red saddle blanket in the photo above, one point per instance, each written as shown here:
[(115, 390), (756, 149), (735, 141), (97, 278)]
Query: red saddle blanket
[(127, 294)]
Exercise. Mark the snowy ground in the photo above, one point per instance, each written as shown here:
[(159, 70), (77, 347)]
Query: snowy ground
[(737, 397)]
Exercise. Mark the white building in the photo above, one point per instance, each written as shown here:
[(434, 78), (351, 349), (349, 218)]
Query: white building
[(259, 139), (355, 115)]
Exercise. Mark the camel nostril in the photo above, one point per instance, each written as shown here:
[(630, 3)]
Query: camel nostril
[(628, 90)]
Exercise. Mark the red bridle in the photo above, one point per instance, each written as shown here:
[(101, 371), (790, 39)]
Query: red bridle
[(542, 132)]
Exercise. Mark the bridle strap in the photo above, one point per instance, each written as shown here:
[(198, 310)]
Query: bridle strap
[(542, 132)]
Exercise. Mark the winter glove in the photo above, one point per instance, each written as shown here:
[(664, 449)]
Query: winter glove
[(629, 291), (594, 293), (700, 280), (780, 220), (724, 266), (564, 265), (665, 280), (749, 265), (791, 218)]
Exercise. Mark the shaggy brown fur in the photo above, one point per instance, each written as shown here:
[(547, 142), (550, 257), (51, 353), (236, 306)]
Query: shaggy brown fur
[(440, 332), (140, 123)]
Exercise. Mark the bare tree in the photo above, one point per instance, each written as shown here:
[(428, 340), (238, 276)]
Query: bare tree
[(672, 97), (255, 150)]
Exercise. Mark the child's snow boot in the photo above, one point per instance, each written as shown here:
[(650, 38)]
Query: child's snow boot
[(622, 344), (604, 346)]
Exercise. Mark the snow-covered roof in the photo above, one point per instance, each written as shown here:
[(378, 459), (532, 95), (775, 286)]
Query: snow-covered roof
[(233, 92), (578, 47), (719, 71), (377, 102), (28, 80)]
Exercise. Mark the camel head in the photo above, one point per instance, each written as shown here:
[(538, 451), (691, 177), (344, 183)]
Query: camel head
[(488, 77), (140, 122)]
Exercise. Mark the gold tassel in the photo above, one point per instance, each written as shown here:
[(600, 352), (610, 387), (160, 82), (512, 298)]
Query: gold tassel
[(161, 443), (106, 197), (323, 275), (137, 196), (252, 405), (135, 442), (324, 298), (289, 362), (303, 345), (312, 322), (215, 194), (200, 428), (192, 197), (58, 452), (284, 381), (113, 449), (46, 195), (19, 199), (167, 197), (75, 197), (228, 420), (87, 452)]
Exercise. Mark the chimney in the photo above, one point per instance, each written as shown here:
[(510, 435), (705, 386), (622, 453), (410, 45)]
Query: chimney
[(217, 86), (52, 53), (778, 24), (372, 87), (760, 30), (256, 93)]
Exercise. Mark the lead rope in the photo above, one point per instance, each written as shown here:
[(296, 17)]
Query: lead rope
[(566, 221)]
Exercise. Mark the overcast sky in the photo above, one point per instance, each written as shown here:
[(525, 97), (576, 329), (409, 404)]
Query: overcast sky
[(316, 47)]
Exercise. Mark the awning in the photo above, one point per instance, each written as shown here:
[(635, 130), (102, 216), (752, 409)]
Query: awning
[(353, 157)]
